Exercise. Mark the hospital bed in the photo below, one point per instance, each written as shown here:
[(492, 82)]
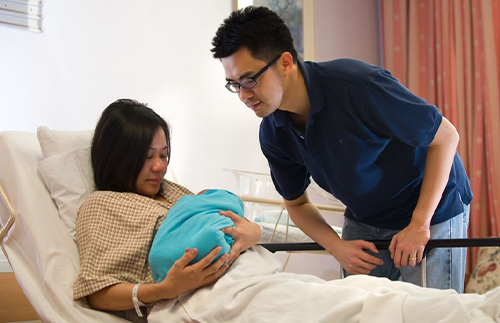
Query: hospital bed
[(35, 237)]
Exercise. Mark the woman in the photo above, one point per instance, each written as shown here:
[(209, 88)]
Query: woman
[(116, 225)]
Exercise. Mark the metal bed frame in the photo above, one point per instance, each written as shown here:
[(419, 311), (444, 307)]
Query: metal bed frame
[(384, 244), (380, 244)]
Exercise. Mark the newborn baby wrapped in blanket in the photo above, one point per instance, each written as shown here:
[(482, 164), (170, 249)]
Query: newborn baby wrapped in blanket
[(194, 222)]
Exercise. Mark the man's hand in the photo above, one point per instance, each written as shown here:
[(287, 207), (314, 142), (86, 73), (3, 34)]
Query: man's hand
[(407, 246), (353, 258), (245, 234)]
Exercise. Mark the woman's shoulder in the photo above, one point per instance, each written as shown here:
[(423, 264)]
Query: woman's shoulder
[(108, 200), (99, 197), (172, 192)]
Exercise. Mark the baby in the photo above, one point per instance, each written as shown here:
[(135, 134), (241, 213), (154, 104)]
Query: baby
[(194, 222)]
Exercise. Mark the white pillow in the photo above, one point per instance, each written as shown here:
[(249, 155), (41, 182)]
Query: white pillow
[(53, 142), (70, 180)]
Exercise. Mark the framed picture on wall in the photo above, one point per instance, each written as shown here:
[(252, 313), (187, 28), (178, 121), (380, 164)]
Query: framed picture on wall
[(298, 15)]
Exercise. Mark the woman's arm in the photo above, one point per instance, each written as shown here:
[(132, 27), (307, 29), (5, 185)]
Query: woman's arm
[(180, 279)]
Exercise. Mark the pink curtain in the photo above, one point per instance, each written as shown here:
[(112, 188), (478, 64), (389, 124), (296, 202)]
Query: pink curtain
[(448, 52)]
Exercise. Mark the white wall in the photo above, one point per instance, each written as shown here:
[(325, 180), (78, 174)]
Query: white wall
[(346, 29), (93, 52)]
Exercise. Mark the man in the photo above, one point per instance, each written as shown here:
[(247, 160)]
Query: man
[(388, 155)]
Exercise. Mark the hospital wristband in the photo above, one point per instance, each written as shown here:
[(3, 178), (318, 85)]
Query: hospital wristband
[(136, 301)]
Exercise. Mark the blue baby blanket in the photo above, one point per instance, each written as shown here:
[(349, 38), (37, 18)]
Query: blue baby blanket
[(193, 222)]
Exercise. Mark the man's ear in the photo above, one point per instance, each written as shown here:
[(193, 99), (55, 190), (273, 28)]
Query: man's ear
[(286, 60)]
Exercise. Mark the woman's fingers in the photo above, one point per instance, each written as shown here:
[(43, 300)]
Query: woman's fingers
[(216, 266), (188, 256), (231, 231), (231, 215), (207, 260)]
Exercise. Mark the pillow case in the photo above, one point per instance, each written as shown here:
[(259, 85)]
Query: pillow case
[(70, 180), (53, 142), (486, 275), (193, 222)]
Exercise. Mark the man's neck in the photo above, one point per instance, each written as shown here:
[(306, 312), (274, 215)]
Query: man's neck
[(296, 99)]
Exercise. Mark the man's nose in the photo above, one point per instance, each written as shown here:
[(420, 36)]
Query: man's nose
[(245, 94)]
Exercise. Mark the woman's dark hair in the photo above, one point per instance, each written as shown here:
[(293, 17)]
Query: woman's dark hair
[(259, 29), (121, 142)]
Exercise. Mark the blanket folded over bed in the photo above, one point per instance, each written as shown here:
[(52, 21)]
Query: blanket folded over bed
[(193, 222), (253, 290)]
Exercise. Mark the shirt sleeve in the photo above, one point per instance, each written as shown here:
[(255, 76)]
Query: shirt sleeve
[(391, 110), (290, 177)]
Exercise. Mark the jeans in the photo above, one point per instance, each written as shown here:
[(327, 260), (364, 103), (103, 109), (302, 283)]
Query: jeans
[(445, 266)]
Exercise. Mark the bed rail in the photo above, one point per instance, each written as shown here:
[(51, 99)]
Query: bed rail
[(5, 227), (10, 209), (384, 244)]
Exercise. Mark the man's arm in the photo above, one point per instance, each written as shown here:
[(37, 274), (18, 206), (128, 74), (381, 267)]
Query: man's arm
[(411, 241), (350, 254)]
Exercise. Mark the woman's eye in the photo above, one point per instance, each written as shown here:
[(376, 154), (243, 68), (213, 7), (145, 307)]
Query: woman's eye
[(149, 157), (163, 156)]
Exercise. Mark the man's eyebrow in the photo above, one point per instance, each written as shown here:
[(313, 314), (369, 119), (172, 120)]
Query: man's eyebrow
[(242, 76)]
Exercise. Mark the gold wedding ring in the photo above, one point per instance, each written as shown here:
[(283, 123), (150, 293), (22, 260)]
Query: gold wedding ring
[(412, 258)]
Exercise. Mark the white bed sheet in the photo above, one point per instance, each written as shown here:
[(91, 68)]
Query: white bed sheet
[(253, 290)]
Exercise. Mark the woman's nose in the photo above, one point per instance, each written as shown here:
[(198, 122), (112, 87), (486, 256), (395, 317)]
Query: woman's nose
[(158, 165)]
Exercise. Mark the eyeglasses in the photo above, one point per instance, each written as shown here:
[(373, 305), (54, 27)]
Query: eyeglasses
[(249, 82)]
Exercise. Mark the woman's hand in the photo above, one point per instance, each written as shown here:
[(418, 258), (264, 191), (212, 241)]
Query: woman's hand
[(245, 234), (182, 277)]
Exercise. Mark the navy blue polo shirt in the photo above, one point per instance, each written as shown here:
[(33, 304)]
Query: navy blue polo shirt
[(365, 142)]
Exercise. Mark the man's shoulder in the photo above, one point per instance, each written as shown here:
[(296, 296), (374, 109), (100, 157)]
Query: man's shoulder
[(343, 70)]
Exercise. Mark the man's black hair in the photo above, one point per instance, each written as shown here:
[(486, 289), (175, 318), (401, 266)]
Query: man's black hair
[(259, 29)]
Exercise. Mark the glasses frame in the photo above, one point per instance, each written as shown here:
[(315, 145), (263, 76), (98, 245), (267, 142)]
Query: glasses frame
[(230, 85)]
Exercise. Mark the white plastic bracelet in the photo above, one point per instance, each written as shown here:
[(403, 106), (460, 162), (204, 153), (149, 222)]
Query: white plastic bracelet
[(136, 301)]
